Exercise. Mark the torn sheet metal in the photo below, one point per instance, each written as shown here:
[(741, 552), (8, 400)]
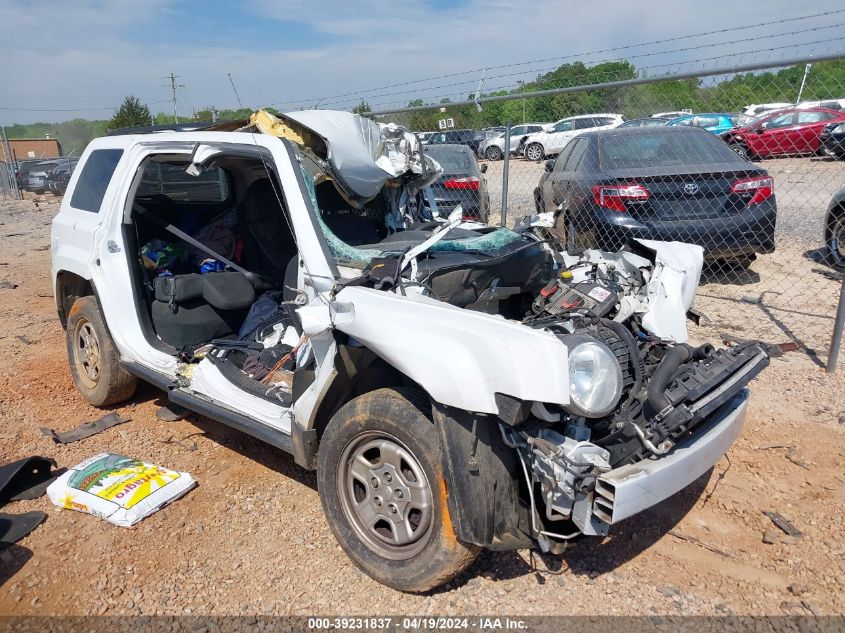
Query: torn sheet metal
[(360, 154), (661, 287)]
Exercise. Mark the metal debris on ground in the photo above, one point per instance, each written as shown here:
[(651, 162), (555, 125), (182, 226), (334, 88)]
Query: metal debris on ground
[(787, 527), (696, 541), (86, 429)]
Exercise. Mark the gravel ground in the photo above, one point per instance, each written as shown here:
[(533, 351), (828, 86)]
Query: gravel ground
[(251, 539)]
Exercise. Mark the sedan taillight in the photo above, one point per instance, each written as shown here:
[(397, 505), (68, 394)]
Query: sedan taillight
[(469, 182), (614, 197), (758, 189)]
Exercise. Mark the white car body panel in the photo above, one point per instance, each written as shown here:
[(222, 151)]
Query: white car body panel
[(207, 380), (460, 357)]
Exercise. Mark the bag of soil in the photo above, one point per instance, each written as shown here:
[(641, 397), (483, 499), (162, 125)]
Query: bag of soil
[(119, 489)]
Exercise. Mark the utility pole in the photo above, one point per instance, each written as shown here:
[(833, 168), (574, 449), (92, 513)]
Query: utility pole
[(173, 86), (803, 82), (522, 91)]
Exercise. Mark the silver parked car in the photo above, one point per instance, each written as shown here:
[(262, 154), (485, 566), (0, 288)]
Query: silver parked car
[(493, 147), (37, 181)]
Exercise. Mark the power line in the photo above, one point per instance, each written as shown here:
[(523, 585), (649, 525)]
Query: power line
[(640, 56), (71, 109), (492, 89), (568, 56)]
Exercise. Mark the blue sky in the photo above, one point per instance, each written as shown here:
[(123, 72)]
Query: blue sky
[(83, 57)]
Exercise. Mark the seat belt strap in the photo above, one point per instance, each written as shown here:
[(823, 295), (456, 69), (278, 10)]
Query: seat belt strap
[(187, 238)]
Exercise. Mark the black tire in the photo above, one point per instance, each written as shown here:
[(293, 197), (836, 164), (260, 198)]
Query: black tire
[(835, 237), (534, 152), (370, 432), (740, 150), (493, 153), (539, 203), (93, 358)]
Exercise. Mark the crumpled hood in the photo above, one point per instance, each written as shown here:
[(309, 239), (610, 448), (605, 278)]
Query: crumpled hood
[(361, 155)]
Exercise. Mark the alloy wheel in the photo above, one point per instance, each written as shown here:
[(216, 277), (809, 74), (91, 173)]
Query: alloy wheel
[(534, 151)]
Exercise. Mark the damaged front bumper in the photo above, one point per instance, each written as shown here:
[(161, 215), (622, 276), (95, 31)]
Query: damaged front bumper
[(627, 490)]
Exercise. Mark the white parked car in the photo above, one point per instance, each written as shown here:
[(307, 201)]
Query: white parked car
[(828, 104), (758, 108), (672, 114), (551, 142), (452, 389), (493, 148)]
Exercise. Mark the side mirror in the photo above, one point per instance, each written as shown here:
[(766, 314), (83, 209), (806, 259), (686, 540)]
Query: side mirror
[(550, 165), (483, 168)]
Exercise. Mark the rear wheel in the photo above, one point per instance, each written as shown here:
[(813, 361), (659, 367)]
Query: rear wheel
[(94, 361), (740, 150), (383, 490), (534, 151), (493, 153)]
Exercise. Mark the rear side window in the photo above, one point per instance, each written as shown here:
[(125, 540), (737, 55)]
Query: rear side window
[(94, 179), (172, 181), (577, 155), (663, 148)]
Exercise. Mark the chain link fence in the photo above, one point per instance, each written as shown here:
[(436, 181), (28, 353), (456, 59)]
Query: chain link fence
[(745, 163), (5, 182)]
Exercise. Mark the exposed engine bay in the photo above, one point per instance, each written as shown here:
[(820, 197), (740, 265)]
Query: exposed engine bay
[(637, 388)]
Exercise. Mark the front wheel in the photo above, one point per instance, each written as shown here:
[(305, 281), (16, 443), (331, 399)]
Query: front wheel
[(534, 151), (383, 490), (836, 239)]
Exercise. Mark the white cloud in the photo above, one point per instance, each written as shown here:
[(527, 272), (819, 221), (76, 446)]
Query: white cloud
[(84, 54)]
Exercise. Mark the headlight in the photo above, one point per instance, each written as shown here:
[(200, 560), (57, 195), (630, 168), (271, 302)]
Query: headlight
[(595, 378)]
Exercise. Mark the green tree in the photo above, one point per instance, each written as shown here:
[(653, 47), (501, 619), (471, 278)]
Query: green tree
[(362, 108), (130, 113)]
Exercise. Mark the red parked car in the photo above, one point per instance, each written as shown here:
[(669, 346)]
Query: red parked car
[(791, 131)]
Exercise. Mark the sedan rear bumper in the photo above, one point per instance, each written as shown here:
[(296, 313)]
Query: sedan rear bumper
[(753, 231), (630, 489)]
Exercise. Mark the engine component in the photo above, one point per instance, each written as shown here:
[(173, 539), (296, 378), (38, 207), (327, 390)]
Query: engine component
[(563, 297)]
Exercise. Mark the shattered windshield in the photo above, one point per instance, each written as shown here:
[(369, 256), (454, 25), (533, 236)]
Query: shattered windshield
[(463, 241)]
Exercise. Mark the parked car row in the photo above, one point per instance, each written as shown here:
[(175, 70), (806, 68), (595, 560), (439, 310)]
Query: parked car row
[(40, 176)]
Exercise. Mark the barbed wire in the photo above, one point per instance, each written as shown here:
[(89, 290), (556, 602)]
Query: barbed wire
[(599, 78), (552, 68), (364, 92)]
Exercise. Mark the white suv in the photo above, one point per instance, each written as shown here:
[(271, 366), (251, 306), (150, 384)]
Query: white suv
[(493, 148), (453, 388), (550, 142)]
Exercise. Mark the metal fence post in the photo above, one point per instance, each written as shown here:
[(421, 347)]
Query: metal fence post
[(505, 170), (10, 164), (838, 325)]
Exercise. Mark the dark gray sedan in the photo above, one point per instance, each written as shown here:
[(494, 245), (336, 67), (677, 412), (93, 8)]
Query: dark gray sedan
[(462, 182), (665, 183)]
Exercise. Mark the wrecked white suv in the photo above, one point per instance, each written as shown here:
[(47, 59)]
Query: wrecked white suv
[(456, 386)]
